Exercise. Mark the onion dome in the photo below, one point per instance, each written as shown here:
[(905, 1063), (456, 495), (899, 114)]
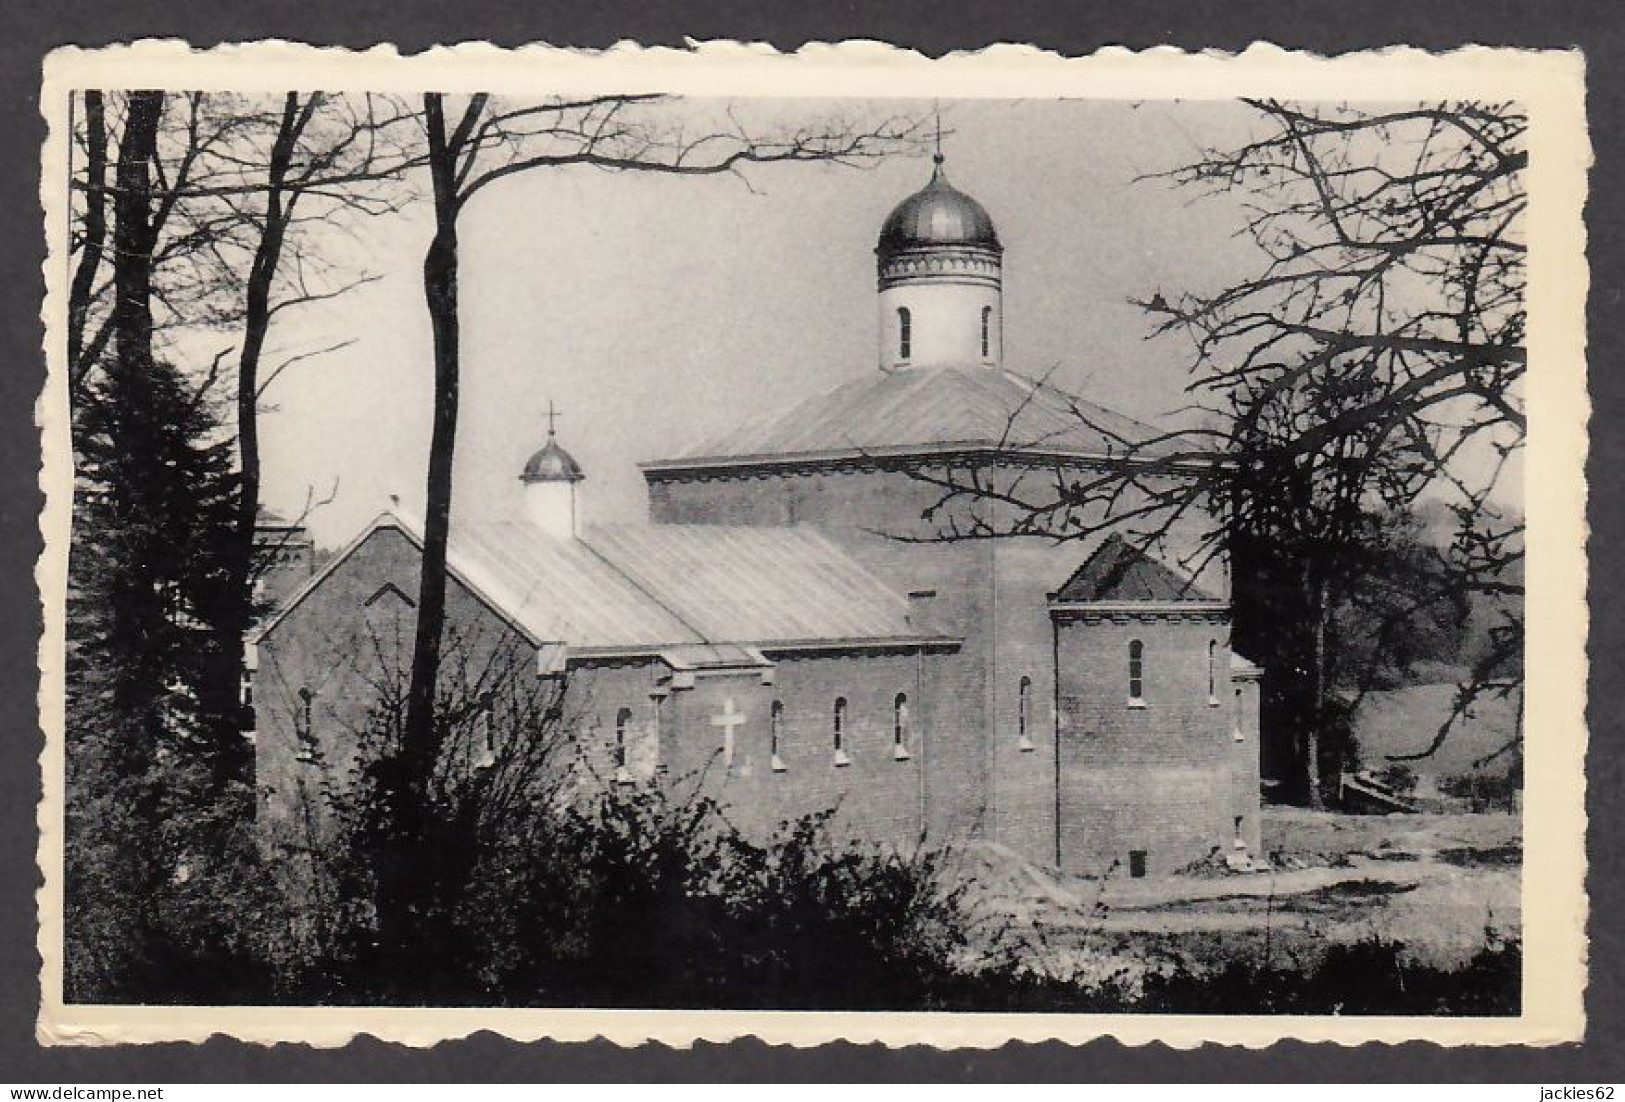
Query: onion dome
[(935, 216), (552, 464)]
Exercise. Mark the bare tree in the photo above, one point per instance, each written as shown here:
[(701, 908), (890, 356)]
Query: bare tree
[(1372, 362), (469, 149), (238, 187)]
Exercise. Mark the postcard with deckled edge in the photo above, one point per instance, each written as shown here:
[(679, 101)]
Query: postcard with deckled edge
[(691, 544)]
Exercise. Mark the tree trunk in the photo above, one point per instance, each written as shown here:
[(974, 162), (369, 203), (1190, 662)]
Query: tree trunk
[(133, 232), (232, 759), (90, 255), (405, 868), (136, 607), (420, 744), (1316, 590)]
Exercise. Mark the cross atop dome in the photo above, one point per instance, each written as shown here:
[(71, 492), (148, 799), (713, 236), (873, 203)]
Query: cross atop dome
[(550, 478), (552, 463)]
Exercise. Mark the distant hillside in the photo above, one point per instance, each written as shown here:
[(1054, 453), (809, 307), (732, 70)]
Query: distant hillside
[(1404, 721)]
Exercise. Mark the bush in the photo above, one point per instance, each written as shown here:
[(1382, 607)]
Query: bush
[(633, 898), (1368, 977)]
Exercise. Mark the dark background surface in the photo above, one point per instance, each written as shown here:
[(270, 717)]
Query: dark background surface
[(28, 31)]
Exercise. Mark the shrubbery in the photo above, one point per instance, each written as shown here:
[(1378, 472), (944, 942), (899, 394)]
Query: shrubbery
[(540, 884)]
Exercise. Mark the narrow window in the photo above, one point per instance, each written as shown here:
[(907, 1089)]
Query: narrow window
[(1024, 713), (245, 709), (1212, 681), (1136, 670), (905, 333), (899, 727), (1136, 863), (840, 731), (302, 729), (775, 728), (623, 719), (482, 737), (987, 327)]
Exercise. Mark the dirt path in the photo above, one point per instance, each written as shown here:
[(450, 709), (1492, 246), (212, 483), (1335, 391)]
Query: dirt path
[(1441, 885)]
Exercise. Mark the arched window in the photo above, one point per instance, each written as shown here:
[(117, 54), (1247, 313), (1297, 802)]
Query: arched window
[(1212, 671), (623, 720), (987, 331), (303, 731), (899, 726), (905, 333), (1024, 713), (1136, 670), (775, 728)]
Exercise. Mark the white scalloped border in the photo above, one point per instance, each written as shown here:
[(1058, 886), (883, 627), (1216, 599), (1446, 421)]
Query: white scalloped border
[(1550, 83)]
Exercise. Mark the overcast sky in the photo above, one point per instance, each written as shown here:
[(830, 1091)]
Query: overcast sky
[(657, 312)]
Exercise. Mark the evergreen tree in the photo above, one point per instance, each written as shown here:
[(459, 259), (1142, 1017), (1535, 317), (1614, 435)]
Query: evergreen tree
[(154, 775)]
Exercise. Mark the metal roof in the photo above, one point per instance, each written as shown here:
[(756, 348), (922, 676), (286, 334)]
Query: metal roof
[(937, 214), (972, 407), (757, 585), (558, 589), (552, 464), (694, 590)]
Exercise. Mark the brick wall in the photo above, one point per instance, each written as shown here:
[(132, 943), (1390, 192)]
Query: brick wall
[(884, 497), (341, 648), (1166, 779), (983, 781), (349, 645), (1169, 779), (876, 794), (1026, 571)]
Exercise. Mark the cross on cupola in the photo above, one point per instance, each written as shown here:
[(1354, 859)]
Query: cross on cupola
[(550, 478)]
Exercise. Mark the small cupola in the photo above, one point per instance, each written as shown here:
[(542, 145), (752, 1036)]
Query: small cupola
[(940, 269), (550, 477)]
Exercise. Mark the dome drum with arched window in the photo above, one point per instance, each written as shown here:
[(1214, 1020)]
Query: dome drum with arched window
[(940, 268)]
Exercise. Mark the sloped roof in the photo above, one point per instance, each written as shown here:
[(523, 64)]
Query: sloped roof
[(970, 406), (559, 589), (659, 587), (751, 584), (1118, 571)]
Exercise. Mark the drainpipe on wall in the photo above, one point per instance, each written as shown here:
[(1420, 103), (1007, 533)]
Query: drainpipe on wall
[(1055, 722), (920, 735)]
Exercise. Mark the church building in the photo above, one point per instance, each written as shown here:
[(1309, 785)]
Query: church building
[(809, 620)]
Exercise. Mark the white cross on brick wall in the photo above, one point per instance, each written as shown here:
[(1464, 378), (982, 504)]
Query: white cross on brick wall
[(728, 720)]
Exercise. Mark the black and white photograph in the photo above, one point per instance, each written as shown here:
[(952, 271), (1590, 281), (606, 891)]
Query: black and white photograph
[(616, 543)]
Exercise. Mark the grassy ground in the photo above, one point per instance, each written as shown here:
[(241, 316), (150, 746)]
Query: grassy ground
[(1440, 885)]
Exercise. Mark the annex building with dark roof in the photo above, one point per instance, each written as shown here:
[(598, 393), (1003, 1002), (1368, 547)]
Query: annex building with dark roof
[(789, 629)]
